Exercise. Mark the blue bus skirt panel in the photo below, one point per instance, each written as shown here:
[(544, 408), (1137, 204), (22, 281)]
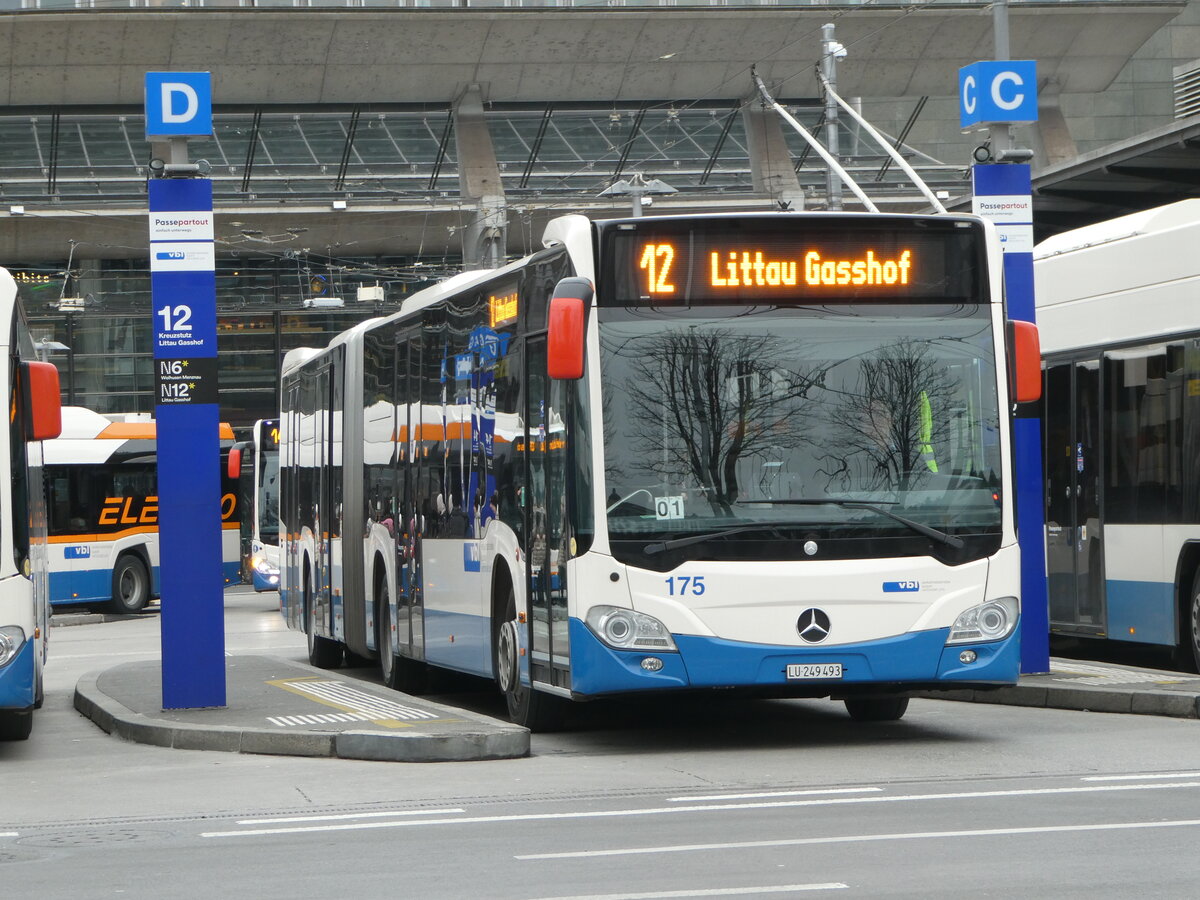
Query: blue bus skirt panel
[(94, 586), (16, 679), (89, 586), (921, 658)]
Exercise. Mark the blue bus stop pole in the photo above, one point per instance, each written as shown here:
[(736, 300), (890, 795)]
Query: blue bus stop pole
[(1004, 194)]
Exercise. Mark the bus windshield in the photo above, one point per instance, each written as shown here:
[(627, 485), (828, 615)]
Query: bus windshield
[(268, 497), (801, 423)]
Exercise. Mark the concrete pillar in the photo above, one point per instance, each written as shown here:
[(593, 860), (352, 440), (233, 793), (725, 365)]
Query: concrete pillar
[(485, 240), (771, 163), (1052, 141)]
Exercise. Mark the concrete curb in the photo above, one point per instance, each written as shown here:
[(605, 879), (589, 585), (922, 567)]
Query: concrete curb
[(1177, 704), (503, 741)]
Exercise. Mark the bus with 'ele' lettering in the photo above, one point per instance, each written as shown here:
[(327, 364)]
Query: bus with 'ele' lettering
[(102, 485), (31, 392), (767, 453)]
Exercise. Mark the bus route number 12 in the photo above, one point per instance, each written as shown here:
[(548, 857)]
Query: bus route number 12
[(657, 260), (176, 318)]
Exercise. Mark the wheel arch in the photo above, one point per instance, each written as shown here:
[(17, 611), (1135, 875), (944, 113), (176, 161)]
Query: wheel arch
[(1187, 566)]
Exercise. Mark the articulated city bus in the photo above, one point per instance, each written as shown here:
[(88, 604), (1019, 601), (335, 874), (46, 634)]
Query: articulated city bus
[(102, 480), (1118, 309), (255, 463), (32, 397), (763, 452)]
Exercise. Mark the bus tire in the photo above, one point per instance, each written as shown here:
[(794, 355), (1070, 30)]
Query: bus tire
[(409, 676), (130, 585), (322, 652), (16, 725), (876, 709), (535, 710), (1190, 645)]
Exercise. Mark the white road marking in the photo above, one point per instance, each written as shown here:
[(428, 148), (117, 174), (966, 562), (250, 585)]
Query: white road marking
[(866, 838), (1140, 777), (8, 834), (1082, 673), (764, 794), (709, 892), (724, 807), (365, 815), (354, 700), (285, 721)]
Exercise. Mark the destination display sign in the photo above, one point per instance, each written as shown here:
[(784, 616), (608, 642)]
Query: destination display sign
[(185, 381), (789, 260)]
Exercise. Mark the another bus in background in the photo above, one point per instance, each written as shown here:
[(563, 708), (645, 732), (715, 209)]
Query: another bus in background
[(1120, 323), (31, 391), (102, 478), (255, 464)]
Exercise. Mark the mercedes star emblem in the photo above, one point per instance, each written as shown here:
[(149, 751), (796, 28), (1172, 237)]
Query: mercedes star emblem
[(813, 625)]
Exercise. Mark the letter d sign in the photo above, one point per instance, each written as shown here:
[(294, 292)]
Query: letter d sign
[(178, 104)]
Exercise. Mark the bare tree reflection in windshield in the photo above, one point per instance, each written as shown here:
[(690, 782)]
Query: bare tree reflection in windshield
[(703, 401), (884, 423)]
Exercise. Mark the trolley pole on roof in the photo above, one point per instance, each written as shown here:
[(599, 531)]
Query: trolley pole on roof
[(184, 311), (999, 94), (831, 52)]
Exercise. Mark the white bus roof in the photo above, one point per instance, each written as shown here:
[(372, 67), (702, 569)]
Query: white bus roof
[(1150, 221), (1132, 278)]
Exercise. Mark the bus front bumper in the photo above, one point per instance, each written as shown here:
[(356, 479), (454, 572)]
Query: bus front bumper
[(17, 679), (916, 661)]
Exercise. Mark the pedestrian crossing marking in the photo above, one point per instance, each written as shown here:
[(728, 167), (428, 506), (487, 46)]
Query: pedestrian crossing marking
[(1082, 673), (355, 705)]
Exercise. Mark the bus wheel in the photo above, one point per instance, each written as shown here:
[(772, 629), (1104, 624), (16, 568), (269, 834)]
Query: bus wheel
[(16, 726), (876, 709), (322, 652), (1190, 652), (130, 585), (400, 673), (535, 710)]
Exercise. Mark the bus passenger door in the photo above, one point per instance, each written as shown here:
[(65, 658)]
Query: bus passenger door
[(1074, 538), (546, 520), (409, 620)]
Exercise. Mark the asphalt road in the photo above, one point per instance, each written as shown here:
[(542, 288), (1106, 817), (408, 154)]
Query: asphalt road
[(659, 799)]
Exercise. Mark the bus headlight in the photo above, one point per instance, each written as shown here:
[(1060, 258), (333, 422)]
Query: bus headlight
[(12, 638), (625, 629), (990, 621), (263, 566)]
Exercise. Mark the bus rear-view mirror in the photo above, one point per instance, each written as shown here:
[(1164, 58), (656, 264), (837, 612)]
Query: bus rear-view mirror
[(42, 401), (567, 328), (1025, 362), (233, 467)]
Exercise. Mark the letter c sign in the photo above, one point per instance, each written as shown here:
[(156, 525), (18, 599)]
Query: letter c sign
[(1002, 92), (178, 104)]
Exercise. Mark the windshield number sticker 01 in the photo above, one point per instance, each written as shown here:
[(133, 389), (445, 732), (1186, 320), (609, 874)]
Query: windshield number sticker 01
[(679, 585), (802, 671), (668, 507)]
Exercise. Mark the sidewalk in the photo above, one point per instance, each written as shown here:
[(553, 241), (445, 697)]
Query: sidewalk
[(275, 706), (285, 708), (1096, 687)]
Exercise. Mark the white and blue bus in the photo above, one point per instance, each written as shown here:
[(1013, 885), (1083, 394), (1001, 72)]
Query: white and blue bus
[(31, 391), (255, 465), (102, 482), (1118, 306), (767, 452)]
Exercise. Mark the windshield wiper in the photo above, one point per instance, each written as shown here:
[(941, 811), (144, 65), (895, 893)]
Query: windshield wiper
[(663, 546), (948, 539)]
